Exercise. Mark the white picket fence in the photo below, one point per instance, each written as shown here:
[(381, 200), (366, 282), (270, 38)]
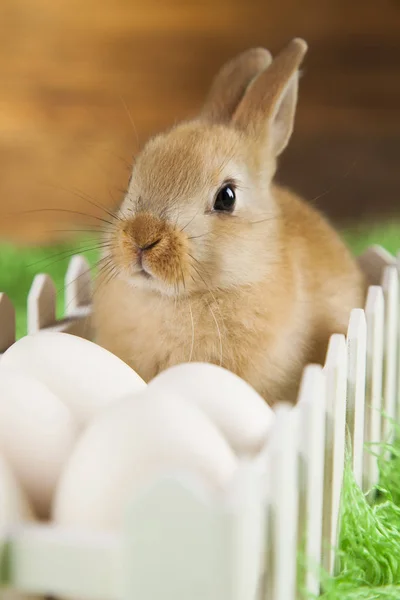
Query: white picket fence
[(180, 540), (42, 300)]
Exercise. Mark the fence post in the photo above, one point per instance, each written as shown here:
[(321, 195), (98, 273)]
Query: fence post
[(373, 261), (311, 407), (41, 304), (374, 312), (180, 541), (280, 579), (357, 356), (61, 562), (7, 323), (246, 502), (336, 383), (390, 285), (78, 285)]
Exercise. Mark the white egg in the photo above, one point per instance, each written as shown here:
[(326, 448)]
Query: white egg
[(37, 432), (82, 374), (232, 404), (14, 504), (129, 444), (14, 510)]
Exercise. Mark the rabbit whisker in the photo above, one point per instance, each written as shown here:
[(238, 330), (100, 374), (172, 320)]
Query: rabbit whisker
[(218, 330), (192, 321), (209, 306)]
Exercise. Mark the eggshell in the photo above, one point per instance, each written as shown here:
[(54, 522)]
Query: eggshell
[(239, 412), (129, 444), (14, 509), (37, 432), (82, 374), (14, 505)]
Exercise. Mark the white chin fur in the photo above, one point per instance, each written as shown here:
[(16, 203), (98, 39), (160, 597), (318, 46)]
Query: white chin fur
[(152, 284)]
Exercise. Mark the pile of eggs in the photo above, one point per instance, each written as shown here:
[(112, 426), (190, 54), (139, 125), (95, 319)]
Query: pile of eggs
[(81, 432)]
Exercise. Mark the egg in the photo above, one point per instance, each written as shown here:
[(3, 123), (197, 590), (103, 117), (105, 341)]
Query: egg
[(14, 510), (14, 505), (82, 374), (37, 432), (239, 412), (129, 444)]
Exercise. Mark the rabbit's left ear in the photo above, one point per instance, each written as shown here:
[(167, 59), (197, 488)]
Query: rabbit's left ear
[(269, 104), (231, 82)]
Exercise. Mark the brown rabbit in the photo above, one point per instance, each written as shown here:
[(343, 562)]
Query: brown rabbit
[(208, 260)]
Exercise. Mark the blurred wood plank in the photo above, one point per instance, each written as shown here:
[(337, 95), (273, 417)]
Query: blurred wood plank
[(65, 66)]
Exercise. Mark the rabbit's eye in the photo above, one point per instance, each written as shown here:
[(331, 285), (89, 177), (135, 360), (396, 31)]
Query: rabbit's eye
[(225, 199)]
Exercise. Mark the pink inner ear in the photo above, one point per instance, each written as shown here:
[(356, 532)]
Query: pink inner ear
[(283, 116), (258, 108)]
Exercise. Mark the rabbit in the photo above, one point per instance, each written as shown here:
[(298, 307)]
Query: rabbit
[(208, 260)]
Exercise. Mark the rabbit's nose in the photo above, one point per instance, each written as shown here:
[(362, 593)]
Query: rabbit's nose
[(144, 247), (149, 246), (145, 230)]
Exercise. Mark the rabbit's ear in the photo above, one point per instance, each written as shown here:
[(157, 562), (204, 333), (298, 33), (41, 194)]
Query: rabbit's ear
[(269, 104), (231, 82)]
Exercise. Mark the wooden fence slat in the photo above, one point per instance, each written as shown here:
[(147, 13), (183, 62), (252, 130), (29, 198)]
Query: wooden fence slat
[(373, 262), (390, 285), (7, 323), (335, 370), (41, 304), (356, 366), (78, 285), (179, 542), (374, 312), (282, 511), (246, 496), (311, 407), (80, 326), (53, 561)]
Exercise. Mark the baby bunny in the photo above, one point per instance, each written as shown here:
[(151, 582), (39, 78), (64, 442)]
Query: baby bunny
[(208, 260)]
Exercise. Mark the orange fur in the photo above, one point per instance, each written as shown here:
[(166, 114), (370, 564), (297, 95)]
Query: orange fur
[(258, 291)]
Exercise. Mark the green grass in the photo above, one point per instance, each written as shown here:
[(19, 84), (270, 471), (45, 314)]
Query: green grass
[(369, 547), (367, 234)]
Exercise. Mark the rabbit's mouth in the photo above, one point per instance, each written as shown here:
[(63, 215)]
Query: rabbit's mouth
[(140, 257), (143, 273), (140, 271)]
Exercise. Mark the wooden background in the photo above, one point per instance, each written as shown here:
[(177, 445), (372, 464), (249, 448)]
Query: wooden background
[(68, 68)]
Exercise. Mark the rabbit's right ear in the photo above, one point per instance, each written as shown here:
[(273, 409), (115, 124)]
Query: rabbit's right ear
[(268, 107), (231, 83)]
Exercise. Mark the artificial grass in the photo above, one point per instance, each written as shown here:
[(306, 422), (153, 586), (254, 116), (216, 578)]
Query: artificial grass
[(369, 545)]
